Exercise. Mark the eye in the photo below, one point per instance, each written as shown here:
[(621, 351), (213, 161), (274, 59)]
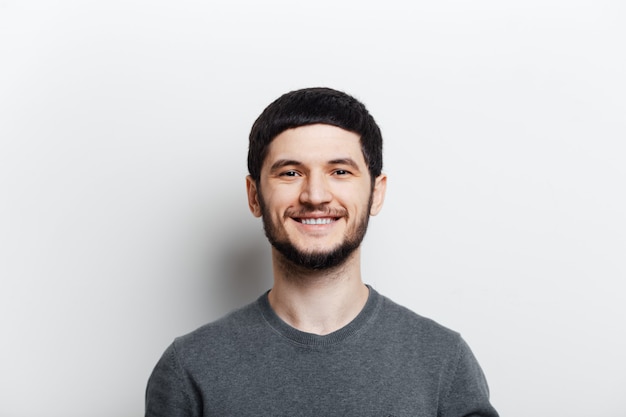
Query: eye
[(290, 173), (342, 172)]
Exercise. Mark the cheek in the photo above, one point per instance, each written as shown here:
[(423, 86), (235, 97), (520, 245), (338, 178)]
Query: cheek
[(274, 207), (282, 197), (356, 197)]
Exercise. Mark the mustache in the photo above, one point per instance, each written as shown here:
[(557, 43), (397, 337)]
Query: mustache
[(320, 211)]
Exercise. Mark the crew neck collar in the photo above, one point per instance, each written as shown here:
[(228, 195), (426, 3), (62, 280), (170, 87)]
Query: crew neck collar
[(313, 340)]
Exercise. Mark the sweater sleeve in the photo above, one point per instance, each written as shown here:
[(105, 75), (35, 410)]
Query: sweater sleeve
[(170, 391), (465, 393)]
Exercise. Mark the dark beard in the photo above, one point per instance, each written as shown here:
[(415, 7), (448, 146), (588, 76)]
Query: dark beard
[(310, 260), (317, 260)]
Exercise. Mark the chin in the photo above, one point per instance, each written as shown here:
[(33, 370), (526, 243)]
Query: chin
[(315, 260)]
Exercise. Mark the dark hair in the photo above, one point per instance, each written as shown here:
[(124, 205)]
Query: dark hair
[(310, 106)]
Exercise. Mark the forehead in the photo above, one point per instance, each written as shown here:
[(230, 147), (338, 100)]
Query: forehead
[(315, 143)]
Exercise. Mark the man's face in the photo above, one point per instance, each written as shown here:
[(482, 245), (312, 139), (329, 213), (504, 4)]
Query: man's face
[(315, 195)]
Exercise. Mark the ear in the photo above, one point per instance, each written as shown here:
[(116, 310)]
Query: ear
[(253, 197), (378, 194)]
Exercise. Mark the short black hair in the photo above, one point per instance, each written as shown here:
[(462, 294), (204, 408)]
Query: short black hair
[(311, 106)]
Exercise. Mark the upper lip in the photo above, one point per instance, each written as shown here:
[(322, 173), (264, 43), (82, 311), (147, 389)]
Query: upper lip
[(316, 215), (323, 216)]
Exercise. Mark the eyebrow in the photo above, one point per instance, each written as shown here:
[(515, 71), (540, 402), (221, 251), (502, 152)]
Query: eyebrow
[(281, 163), (344, 161)]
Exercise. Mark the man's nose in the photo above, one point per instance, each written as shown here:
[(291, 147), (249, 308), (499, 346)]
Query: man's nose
[(316, 190)]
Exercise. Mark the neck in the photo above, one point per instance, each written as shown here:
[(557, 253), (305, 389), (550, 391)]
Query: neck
[(318, 302)]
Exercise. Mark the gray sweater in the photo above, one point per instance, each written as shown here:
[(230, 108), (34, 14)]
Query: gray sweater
[(388, 362)]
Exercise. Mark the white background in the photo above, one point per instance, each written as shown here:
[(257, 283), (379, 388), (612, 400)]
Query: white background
[(123, 219)]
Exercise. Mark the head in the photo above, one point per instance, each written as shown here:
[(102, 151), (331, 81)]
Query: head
[(312, 106), (315, 162)]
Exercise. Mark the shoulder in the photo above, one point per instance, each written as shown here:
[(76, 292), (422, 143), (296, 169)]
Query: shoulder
[(222, 335), (404, 325)]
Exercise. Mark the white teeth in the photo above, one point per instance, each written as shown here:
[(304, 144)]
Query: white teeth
[(317, 221)]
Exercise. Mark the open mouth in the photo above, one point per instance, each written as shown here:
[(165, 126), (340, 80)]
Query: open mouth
[(319, 220)]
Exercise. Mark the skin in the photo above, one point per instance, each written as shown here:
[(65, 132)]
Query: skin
[(316, 172)]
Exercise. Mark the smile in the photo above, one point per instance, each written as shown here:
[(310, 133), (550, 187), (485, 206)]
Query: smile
[(325, 220)]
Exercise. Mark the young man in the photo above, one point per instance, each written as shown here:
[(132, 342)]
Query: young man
[(320, 342)]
